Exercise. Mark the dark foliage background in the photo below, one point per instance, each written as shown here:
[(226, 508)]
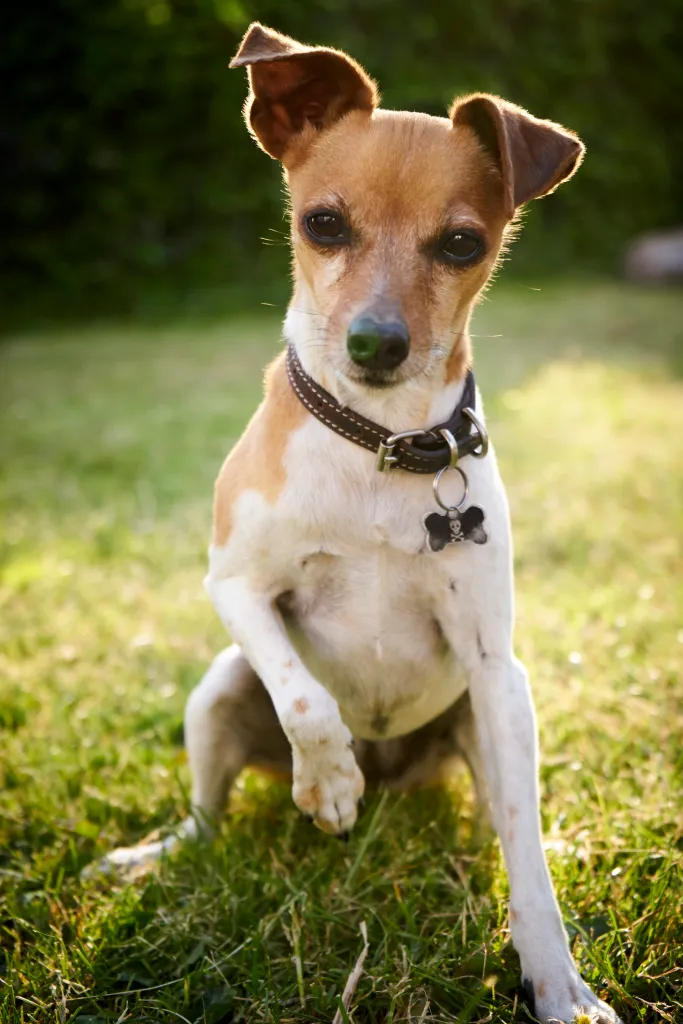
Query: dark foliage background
[(126, 171)]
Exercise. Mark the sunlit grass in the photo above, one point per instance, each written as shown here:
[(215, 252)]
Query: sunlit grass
[(110, 443)]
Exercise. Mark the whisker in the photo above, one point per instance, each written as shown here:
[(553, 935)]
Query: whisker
[(310, 312)]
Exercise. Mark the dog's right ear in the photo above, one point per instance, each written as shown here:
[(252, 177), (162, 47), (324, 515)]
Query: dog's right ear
[(292, 85)]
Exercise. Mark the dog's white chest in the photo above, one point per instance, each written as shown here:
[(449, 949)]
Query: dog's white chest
[(365, 627), (344, 553)]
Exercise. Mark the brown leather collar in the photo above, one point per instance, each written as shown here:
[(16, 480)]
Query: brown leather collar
[(425, 451)]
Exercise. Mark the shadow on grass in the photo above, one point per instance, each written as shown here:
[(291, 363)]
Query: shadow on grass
[(236, 927)]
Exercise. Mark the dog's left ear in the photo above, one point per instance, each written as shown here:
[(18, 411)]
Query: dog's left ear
[(533, 156), (292, 85)]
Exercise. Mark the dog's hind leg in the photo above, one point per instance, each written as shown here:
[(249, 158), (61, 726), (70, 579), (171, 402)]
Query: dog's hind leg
[(214, 738), (229, 722), (467, 743)]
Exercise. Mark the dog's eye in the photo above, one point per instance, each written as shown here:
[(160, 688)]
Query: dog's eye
[(461, 248), (326, 227)]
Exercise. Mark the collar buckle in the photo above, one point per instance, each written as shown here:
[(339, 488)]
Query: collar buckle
[(386, 459)]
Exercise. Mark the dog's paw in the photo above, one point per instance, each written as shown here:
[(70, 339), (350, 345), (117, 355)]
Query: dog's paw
[(569, 1003), (126, 862), (130, 862), (328, 785)]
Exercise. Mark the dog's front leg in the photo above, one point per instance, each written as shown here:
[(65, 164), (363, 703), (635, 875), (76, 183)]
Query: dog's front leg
[(327, 781), (506, 727)]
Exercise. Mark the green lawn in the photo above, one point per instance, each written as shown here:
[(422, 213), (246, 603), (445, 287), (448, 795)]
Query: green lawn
[(110, 442)]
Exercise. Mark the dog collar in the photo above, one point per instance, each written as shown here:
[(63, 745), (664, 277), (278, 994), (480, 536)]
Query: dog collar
[(418, 451)]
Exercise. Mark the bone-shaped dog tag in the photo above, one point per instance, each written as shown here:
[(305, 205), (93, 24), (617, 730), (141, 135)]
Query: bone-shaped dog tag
[(456, 524), (454, 527)]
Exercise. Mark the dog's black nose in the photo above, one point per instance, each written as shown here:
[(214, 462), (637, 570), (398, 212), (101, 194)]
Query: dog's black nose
[(378, 345)]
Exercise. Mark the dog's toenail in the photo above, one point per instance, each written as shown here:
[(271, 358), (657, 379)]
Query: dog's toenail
[(343, 836)]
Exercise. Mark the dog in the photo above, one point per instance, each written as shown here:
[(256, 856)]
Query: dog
[(372, 634)]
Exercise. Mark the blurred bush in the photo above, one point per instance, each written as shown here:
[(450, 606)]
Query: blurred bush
[(126, 168)]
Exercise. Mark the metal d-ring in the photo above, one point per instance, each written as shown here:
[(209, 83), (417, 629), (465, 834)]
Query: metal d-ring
[(435, 487), (481, 430), (453, 446)]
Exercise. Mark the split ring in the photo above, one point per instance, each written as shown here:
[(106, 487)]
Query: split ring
[(435, 487)]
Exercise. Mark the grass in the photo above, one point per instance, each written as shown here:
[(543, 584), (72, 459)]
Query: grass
[(110, 443)]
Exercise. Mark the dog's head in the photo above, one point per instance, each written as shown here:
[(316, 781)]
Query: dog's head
[(397, 217)]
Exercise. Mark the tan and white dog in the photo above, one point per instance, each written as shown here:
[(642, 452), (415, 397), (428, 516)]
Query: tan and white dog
[(359, 651)]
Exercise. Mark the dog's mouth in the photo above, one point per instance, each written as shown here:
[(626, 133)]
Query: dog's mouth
[(376, 380)]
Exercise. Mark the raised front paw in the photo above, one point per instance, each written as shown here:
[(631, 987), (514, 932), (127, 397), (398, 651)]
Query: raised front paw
[(328, 784), (568, 1002)]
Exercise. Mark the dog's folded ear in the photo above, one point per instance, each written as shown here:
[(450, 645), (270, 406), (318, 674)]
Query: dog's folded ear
[(533, 156), (292, 85)]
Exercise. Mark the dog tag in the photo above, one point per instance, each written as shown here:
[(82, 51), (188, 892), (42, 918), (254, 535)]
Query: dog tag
[(455, 524), (454, 527)]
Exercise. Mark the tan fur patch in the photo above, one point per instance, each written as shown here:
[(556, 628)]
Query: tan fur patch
[(412, 177), (256, 463), (309, 801), (458, 360)]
